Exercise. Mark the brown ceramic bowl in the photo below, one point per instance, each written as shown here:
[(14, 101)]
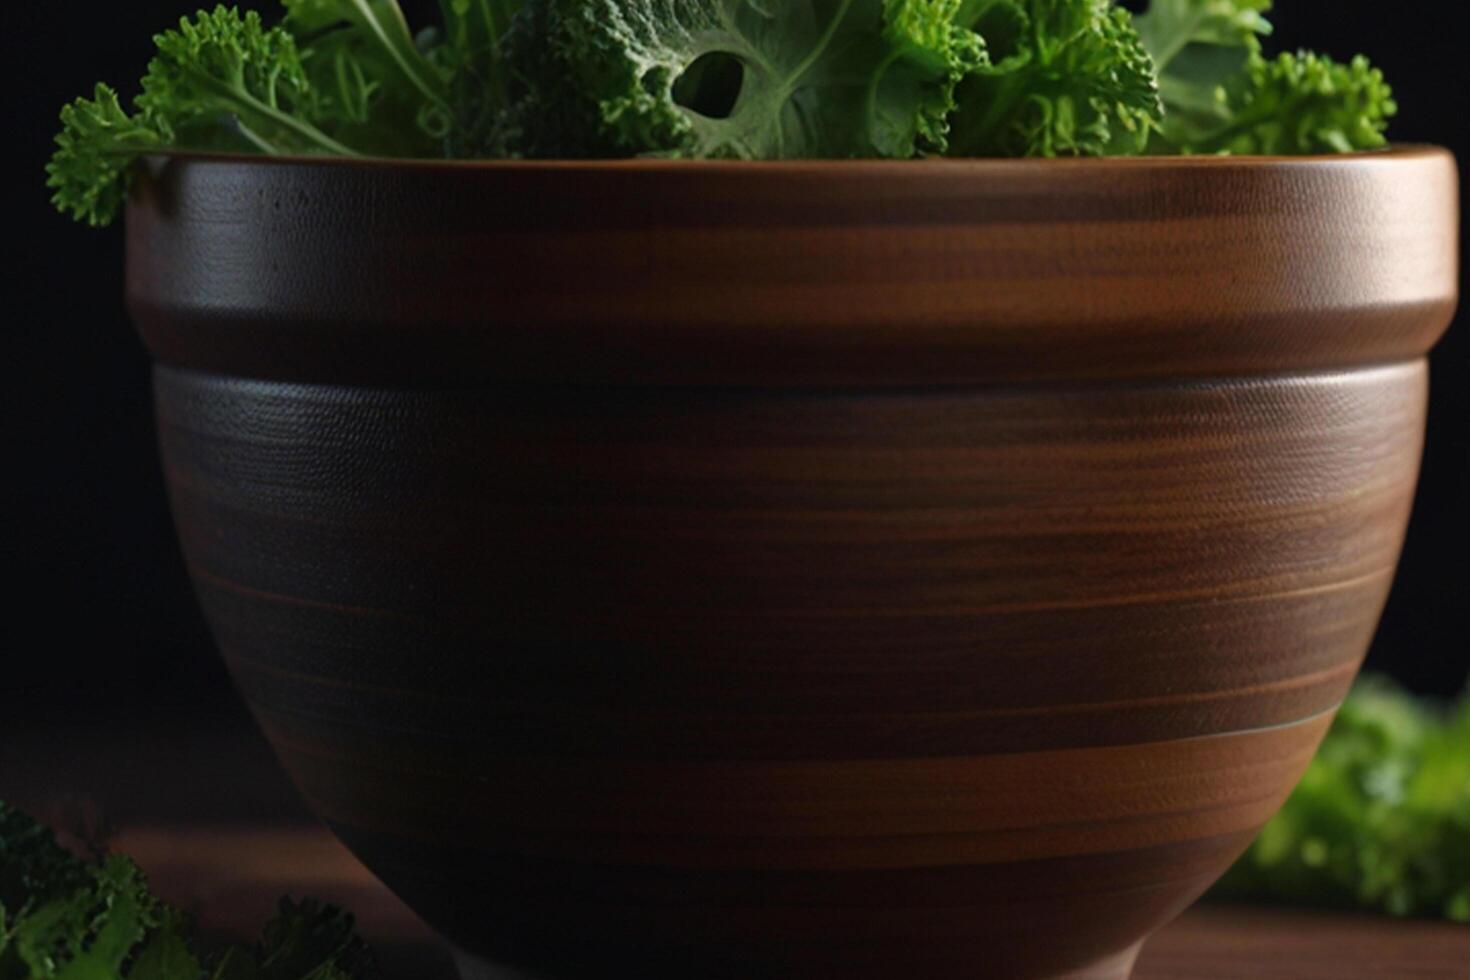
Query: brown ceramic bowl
[(924, 570)]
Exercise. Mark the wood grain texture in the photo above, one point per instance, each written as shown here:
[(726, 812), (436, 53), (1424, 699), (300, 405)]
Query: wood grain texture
[(971, 633), (944, 271)]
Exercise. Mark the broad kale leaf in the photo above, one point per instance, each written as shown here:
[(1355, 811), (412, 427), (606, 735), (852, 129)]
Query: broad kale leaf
[(755, 79), (1066, 78), (1197, 43), (1223, 95), (1201, 47)]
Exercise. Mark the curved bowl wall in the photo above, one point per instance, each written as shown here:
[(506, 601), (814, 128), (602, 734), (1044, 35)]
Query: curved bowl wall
[(789, 571)]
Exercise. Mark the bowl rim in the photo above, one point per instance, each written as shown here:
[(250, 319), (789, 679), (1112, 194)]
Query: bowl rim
[(776, 168), (791, 274)]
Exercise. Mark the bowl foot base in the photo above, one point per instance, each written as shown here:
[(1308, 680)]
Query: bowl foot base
[(1119, 967), (474, 968), (471, 967)]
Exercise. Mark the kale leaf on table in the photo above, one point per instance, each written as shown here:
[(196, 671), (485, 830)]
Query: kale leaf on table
[(1381, 820), (67, 918)]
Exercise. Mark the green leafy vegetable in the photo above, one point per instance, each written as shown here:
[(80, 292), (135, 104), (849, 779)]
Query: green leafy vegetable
[(166, 954), (1199, 48), (372, 88), (1067, 77), (1304, 103), (546, 113), (220, 81), (471, 52), (473, 27), (741, 79), (305, 941), (382, 21), (804, 78), (96, 147), (471, 57), (65, 918), (225, 68), (1223, 95), (33, 866), (1381, 819), (371, 75)]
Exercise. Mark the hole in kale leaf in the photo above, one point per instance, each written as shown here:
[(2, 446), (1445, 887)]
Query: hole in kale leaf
[(1004, 28), (711, 85)]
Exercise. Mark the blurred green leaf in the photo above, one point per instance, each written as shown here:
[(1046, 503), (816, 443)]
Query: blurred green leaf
[(1381, 820), (67, 918)]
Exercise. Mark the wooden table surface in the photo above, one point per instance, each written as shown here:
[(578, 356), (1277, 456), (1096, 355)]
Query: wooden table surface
[(219, 830), (231, 877)]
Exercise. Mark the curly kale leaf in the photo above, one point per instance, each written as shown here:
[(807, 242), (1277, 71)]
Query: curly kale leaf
[(33, 866), (929, 39), (223, 67), (1301, 103), (472, 56), (750, 79), (742, 79), (305, 941), (546, 113), (1067, 78), (98, 142), (1223, 95), (1381, 819), (88, 934), (65, 918), (376, 88), (339, 77), (219, 81), (166, 954)]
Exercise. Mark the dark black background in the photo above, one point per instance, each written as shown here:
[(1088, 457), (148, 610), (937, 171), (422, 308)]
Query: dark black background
[(97, 613)]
